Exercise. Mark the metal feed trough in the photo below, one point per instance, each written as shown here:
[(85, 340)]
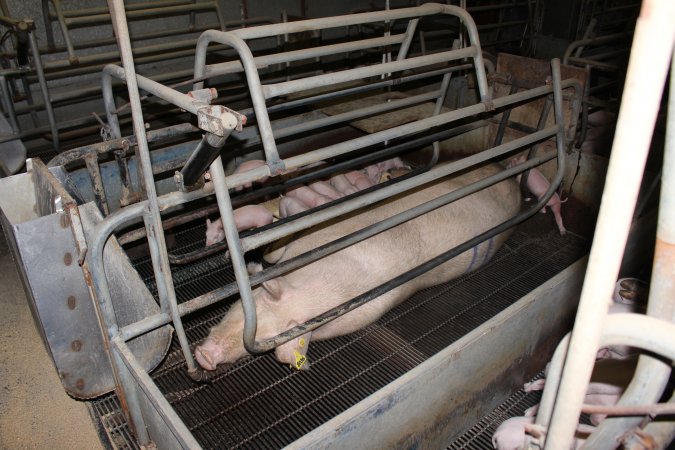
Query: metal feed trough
[(61, 219)]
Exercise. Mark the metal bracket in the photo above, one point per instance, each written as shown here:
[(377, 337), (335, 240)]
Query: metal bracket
[(220, 120), (204, 95)]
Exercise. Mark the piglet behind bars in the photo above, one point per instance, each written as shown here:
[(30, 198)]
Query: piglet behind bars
[(302, 294), (538, 184)]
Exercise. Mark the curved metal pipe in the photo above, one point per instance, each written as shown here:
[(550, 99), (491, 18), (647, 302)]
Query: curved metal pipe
[(250, 322), (651, 375), (629, 153), (275, 164)]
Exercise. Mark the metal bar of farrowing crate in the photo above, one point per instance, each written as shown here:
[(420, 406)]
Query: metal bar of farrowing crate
[(654, 36), (253, 346), (124, 355), (37, 60), (358, 89), (250, 315), (296, 162), (96, 19), (152, 322), (213, 70), (652, 374), (306, 178), (236, 40), (294, 86), (610, 38), (152, 217)]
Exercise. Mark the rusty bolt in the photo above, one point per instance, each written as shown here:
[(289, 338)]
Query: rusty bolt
[(72, 302), (64, 220), (76, 345), (67, 259)]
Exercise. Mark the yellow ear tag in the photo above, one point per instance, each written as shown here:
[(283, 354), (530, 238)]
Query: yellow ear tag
[(300, 360)]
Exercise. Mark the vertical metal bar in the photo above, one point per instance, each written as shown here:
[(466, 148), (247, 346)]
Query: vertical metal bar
[(64, 30), (651, 374), (133, 405), (29, 100), (91, 160), (155, 397), (559, 114), (236, 251), (423, 44), (8, 104), (275, 163), (154, 229), (445, 84), (45, 90), (472, 31), (284, 44), (407, 41), (48, 25), (95, 271), (4, 8), (221, 16), (654, 35), (191, 19), (109, 105), (386, 52)]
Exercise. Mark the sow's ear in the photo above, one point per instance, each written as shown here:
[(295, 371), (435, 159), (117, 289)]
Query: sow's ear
[(275, 288), (294, 352)]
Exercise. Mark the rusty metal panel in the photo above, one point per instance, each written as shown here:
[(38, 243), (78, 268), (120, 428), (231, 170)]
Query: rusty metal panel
[(527, 73), (60, 303), (46, 255), (445, 395)]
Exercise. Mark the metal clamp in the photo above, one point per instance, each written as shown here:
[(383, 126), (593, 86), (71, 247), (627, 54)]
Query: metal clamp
[(219, 120)]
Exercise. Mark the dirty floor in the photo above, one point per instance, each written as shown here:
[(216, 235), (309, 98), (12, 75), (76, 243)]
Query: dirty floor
[(35, 411)]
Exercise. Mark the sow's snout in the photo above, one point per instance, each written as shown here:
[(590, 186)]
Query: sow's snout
[(209, 355)]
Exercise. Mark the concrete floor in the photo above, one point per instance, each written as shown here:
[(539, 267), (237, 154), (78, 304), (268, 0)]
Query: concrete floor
[(35, 411)]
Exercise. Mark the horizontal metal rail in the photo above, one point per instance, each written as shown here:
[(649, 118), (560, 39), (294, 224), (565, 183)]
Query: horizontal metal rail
[(131, 7), (152, 322), (296, 162), (97, 19), (102, 148), (359, 89), (250, 314), (607, 39), (331, 212), (293, 86), (236, 39), (262, 62)]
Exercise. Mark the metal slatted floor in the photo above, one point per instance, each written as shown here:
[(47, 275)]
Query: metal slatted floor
[(479, 436), (259, 403)]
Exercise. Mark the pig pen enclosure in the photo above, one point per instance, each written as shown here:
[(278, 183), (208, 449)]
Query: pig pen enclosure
[(126, 230)]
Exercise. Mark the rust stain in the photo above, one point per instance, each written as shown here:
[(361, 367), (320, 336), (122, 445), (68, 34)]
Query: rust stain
[(64, 220), (76, 345), (72, 302), (67, 259), (79, 384)]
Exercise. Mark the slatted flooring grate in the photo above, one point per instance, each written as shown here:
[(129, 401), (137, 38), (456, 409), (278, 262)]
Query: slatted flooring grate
[(259, 403)]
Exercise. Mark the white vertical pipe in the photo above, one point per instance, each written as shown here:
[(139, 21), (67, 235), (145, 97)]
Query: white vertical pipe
[(652, 374), (647, 69)]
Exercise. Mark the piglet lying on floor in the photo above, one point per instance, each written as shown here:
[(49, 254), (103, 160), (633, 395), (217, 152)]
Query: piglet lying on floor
[(538, 184)]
